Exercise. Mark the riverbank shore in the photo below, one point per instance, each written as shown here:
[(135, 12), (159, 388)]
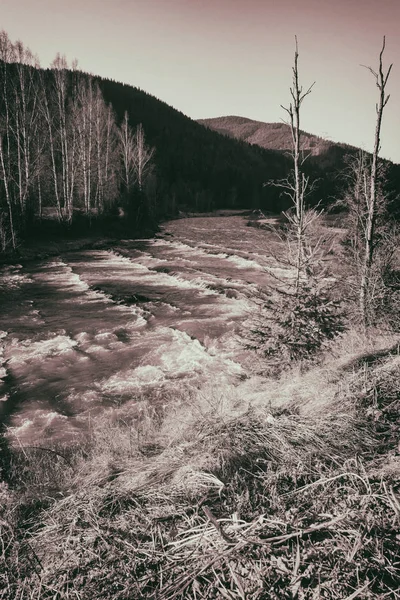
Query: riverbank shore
[(220, 496)]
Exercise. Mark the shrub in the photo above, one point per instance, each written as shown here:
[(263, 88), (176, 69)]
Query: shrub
[(296, 326)]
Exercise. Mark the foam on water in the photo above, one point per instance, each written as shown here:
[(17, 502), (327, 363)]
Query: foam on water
[(97, 328), (3, 370), (131, 381), (27, 350), (11, 277), (39, 424), (176, 356), (244, 263)]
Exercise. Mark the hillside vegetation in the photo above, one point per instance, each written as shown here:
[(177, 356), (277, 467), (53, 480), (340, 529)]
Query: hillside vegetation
[(75, 144), (277, 480), (69, 147), (281, 486), (274, 136), (326, 162)]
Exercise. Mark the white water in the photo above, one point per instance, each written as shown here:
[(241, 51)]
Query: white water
[(98, 328)]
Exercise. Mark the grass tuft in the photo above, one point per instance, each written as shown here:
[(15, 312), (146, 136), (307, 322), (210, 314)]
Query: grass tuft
[(220, 497)]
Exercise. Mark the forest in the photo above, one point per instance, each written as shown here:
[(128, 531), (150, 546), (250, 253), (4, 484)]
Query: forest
[(211, 410), (79, 150), (76, 145)]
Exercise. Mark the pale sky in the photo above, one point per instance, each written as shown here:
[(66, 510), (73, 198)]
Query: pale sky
[(211, 58)]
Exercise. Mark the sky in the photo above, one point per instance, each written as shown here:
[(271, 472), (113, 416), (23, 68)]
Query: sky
[(211, 58)]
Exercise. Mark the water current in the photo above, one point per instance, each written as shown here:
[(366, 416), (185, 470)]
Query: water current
[(88, 330)]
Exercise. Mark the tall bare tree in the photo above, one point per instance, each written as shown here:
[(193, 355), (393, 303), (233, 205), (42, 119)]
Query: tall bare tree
[(142, 158), (25, 125), (298, 188), (381, 77), (67, 154), (127, 149), (83, 124), (105, 152), (7, 56)]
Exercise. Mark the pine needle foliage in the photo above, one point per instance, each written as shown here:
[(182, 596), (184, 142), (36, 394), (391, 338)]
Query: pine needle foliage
[(297, 325)]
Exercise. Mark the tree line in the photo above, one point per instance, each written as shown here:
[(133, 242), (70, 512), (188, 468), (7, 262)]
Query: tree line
[(76, 144), (60, 140)]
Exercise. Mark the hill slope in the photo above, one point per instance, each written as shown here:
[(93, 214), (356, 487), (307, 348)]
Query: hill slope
[(274, 136), (199, 168), (327, 159)]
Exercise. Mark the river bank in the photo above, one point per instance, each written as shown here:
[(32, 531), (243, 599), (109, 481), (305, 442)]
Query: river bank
[(148, 454)]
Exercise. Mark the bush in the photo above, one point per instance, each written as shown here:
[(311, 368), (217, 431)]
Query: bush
[(296, 326)]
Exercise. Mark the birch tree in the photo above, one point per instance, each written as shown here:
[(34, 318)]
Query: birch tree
[(95, 126), (60, 123), (26, 119), (142, 158), (127, 150), (106, 152), (83, 124), (50, 135), (7, 55)]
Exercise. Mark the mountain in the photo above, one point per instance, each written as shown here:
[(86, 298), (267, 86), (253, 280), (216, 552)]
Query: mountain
[(273, 136), (327, 161), (68, 150), (198, 168)]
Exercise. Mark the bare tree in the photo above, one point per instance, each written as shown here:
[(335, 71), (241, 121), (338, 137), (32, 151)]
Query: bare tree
[(25, 125), (381, 78), (300, 186), (59, 140), (127, 149), (83, 125), (142, 158), (137, 165), (67, 154), (49, 117), (110, 159), (95, 126), (7, 55)]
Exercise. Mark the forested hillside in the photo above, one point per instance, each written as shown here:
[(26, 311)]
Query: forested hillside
[(327, 161), (197, 168), (274, 136), (73, 143)]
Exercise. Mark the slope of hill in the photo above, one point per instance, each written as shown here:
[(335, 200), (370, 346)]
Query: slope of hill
[(74, 154), (327, 160), (274, 136), (199, 168)]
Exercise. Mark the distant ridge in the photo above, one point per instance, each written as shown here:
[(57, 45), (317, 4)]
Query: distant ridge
[(272, 136), (327, 159)]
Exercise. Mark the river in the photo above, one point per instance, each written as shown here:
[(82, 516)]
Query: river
[(88, 330)]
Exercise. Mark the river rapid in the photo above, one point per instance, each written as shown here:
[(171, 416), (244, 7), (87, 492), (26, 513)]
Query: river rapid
[(88, 330)]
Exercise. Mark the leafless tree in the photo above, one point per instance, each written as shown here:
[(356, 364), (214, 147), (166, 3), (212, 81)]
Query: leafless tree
[(127, 149), (7, 56), (298, 187), (26, 96), (59, 143), (142, 158), (381, 77), (66, 145)]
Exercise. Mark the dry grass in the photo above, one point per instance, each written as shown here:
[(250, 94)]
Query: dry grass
[(224, 496)]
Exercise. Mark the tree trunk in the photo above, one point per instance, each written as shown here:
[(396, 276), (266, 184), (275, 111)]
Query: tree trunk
[(365, 300)]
